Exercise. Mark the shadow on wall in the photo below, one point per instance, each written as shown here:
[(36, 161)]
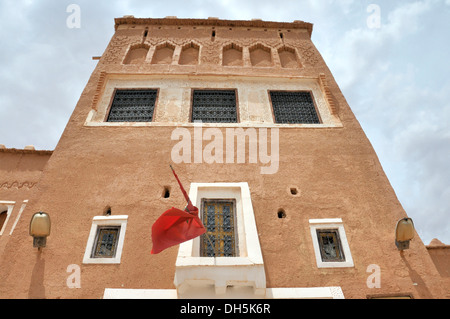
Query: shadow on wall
[(419, 283), (37, 289)]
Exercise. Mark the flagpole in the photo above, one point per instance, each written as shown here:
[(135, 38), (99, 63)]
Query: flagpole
[(190, 205)]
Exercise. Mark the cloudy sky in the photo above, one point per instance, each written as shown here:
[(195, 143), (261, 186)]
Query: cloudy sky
[(391, 59)]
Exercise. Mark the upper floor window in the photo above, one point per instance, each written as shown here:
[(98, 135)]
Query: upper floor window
[(132, 105), (214, 106), (294, 107)]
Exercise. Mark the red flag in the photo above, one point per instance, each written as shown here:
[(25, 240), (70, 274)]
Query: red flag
[(175, 226)]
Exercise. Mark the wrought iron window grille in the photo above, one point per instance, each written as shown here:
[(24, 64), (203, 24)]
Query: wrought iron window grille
[(219, 219), (330, 245), (295, 107), (131, 105), (106, 240), (214, 106)]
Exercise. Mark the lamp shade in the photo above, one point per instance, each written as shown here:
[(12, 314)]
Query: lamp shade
[(40, 225), (404, 230)]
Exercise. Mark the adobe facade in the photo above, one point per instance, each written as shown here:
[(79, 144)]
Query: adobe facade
[(20, 172), (304, 178)]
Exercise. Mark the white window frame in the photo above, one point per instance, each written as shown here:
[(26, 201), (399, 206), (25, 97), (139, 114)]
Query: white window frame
[(99, 221), (10, 206), (246, 269), (330, 223)]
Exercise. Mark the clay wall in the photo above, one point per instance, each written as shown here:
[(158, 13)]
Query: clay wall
[(20, 171)]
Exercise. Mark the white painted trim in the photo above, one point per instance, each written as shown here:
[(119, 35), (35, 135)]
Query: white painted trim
[(271, 293), (22, 208), (7, 202), (90, 122), (10, 207), (113, 220), (325, 221), (111, 293), (305, 293), (330, 223)]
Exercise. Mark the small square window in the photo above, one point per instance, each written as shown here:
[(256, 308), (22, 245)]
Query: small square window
[(294, 107), (330, 245), (106, 242), (214, 106), (133, 105)]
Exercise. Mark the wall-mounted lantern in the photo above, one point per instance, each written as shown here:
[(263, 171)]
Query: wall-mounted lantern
[(404, 232), (40, 229)]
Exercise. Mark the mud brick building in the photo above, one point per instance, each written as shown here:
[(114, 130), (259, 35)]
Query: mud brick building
[(291, 191)]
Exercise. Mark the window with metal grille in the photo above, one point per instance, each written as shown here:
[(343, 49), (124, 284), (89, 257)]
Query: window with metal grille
[(219, 219), (133, 105), (106, 242), (294, 107), (330, 245), (214, 106)]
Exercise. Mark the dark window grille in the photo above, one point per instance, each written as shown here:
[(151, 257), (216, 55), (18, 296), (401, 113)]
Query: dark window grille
[(330, 245), (219, 219), (214, 106), (133, 106), (294, 107), (106, 240)]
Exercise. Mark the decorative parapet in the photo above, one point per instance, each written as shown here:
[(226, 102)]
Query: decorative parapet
[(24, 151), (255, 23)]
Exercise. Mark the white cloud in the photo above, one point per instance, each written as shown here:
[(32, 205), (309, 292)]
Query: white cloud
[(401, 97)]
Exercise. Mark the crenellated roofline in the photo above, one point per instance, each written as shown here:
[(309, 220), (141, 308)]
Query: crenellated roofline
[(254, 23)]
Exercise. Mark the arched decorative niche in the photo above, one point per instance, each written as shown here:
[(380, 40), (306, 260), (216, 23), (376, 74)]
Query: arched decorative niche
[(189, 54), (136, 54), (163, 53), (260, 55), (288, 57), (232, 55)]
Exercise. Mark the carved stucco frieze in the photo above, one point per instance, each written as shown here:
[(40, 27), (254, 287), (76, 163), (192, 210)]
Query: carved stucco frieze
[(210, 50), (17, 184)]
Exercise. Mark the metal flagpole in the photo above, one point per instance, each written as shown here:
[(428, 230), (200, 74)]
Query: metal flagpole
[(189, 204)]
